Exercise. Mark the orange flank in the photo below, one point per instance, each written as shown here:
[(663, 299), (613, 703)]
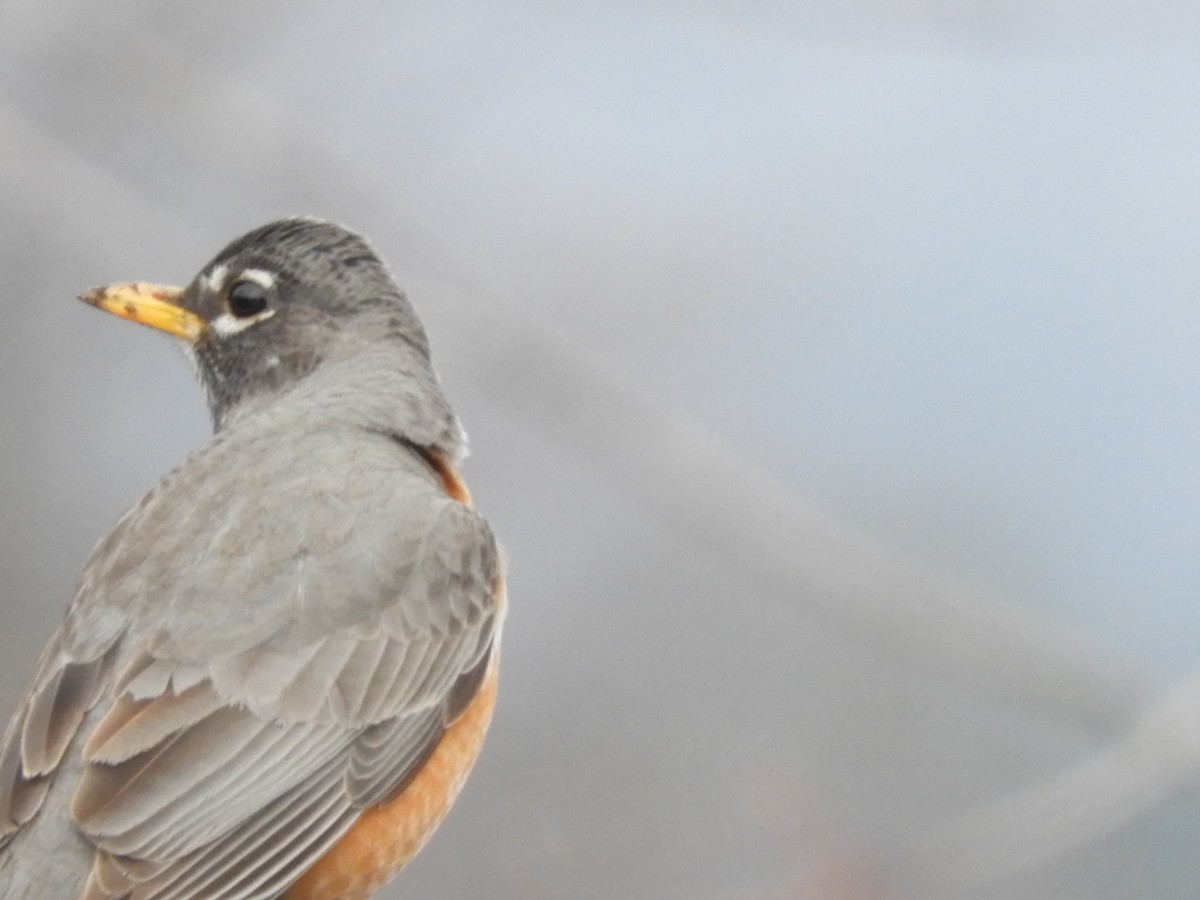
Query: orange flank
[(451, 480), (388, 836)]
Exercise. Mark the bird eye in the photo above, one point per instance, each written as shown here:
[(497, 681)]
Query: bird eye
[(247, 298)]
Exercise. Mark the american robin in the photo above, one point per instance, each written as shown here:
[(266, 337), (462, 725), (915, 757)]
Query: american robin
[(280, 664)]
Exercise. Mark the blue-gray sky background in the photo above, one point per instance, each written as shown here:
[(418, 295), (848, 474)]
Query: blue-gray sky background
[(832, 377)]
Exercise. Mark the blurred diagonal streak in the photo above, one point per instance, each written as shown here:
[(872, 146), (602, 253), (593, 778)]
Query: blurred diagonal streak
[(705, 489), (1047, 819), (695, 483)]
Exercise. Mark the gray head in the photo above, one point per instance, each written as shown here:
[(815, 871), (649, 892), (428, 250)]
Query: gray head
[(301, 315)]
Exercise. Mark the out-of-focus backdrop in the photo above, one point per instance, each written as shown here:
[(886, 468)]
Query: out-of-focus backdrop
[(832, 376)]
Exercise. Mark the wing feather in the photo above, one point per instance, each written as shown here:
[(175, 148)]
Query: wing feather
[(39, 735), (377, 770), (224, 771)]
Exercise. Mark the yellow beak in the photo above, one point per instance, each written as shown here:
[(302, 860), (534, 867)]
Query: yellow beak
[(154, 305)]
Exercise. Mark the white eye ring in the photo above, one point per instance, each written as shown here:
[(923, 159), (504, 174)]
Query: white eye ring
[(258, 276), (227, 323), (233, 320)]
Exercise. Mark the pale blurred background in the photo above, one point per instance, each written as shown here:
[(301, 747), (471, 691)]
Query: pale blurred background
[(832, 376)]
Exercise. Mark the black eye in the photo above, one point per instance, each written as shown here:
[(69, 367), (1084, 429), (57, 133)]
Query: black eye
[(247, 298)]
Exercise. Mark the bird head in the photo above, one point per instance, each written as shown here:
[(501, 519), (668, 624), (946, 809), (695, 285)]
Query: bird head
[(303, 314)]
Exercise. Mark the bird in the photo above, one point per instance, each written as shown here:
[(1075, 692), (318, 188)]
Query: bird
[(280, 664)]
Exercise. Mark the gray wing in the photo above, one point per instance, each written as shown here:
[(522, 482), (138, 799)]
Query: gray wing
[(225, 767)]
